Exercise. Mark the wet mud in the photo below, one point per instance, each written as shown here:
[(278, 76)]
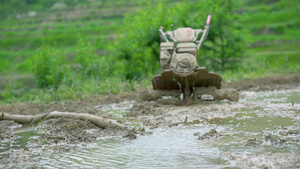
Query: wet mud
[(260, 131), (53, 136), (6, 134), (269, 160), (282, 82)]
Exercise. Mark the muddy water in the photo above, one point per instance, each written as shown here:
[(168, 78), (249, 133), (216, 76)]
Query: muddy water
[(262, 130), (245, 126), (178, 147), (23, 134), (169, 148)]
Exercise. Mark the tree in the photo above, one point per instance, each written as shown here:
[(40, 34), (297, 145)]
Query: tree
[(48, 67), (226, 43)]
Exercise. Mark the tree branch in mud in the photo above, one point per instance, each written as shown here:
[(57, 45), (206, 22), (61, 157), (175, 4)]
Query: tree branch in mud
[(97, 120)]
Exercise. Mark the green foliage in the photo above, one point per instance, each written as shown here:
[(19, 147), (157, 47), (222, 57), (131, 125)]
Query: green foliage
[(9, 8), (288, 63), (15, 90), (48, 67), (4, 64), (92, 65), (73, 3), (133, 49)]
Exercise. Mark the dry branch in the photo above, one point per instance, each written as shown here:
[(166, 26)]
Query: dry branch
[(98, 121)]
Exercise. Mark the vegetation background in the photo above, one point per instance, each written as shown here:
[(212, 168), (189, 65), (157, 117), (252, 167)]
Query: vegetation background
[(69, 49)]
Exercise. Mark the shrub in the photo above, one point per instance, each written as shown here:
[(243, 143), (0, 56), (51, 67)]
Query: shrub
[(92, 65), (13, 90), (226, 43), (48, 67)]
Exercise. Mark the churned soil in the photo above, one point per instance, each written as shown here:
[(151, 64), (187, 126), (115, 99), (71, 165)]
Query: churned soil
[(281, 82), (87, 105)]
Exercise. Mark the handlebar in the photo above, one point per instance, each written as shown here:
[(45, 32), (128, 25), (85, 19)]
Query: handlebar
[(205, 33), (208, 20), (172, 36), (162, 34)]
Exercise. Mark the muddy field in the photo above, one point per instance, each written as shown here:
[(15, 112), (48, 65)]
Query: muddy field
[(259, 131)]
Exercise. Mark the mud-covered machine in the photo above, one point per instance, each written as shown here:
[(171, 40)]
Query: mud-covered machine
[(181, 72)]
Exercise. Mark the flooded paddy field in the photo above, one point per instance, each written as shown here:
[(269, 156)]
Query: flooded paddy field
[(260, 131)]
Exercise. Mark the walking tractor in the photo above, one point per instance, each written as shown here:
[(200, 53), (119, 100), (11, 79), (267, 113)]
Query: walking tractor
[(181, 72)]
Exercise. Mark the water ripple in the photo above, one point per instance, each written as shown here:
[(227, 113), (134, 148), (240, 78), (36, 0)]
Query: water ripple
[(175, 148)]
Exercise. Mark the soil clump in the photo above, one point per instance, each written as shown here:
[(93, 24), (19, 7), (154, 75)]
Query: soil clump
[(269, 160), (208, 135)]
